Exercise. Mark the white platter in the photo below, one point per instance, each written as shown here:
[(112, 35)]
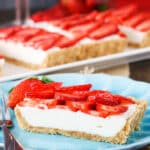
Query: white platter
[(12, 72)]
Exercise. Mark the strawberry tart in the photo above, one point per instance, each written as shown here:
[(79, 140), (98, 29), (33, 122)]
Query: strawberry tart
[(76, 111), (1, 63), (135, 24), (38, 48)]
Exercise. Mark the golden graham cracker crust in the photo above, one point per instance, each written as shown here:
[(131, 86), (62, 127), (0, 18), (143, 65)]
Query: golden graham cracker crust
[(132, 124), (76, 53)]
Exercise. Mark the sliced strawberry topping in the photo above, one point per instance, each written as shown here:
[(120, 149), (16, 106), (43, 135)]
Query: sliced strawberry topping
[(81, 87), (44, 41), (103, 15), (91, 16), (19, 92), (41, 93), (134, 20), (8, 31), (103, 97), (75, 106), (25, 34), (85, 28), (144, 25), (50, 103), (76, 20), (123, 100), (104, 30), (111, 110), (72, 96), (66, 42), (125, 12), (29, 103), (101, 113), (65, 19), (35, 93)]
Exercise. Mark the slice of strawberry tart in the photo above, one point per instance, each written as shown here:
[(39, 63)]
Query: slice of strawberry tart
[(1, 63), (75, 111)]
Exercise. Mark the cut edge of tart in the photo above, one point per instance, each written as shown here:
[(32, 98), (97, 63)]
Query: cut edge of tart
[(132, 123)]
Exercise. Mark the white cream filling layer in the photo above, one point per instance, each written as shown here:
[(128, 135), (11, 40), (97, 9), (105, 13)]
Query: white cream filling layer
[(76, 121), (133, 36), (23, 53)]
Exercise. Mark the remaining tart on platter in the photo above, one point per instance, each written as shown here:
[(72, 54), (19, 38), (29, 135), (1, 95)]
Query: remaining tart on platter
[(1, 63), (77, 111), (38, 48), (135, 24)]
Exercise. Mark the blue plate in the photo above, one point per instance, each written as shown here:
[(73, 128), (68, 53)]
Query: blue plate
[(119, 85)]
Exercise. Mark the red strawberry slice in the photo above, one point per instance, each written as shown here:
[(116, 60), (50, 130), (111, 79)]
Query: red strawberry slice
[(73, 96), (103, 97), (85, 28), (101, 113), (79, 20), (134, 20), (123, 99), (75, 106), (55, 85), (58, 22), (103, 15), (40, 93), (37, 16), (72, 105), (8, 31), (44, 41), (19, 91), (81, 87), (111, 110), (144, 26), (46, 86), (30, 103), (45, 44), (50, 103), (66, 42), (91, 16), (104, 30), (125, 12), (43, 36), (25, 34)]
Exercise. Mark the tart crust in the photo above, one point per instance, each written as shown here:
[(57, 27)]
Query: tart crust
[(132, 124), (28, 65), (76, 53)]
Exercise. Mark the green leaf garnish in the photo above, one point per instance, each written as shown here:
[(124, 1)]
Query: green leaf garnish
[(46, 79), (102, 7), (10, 90)]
